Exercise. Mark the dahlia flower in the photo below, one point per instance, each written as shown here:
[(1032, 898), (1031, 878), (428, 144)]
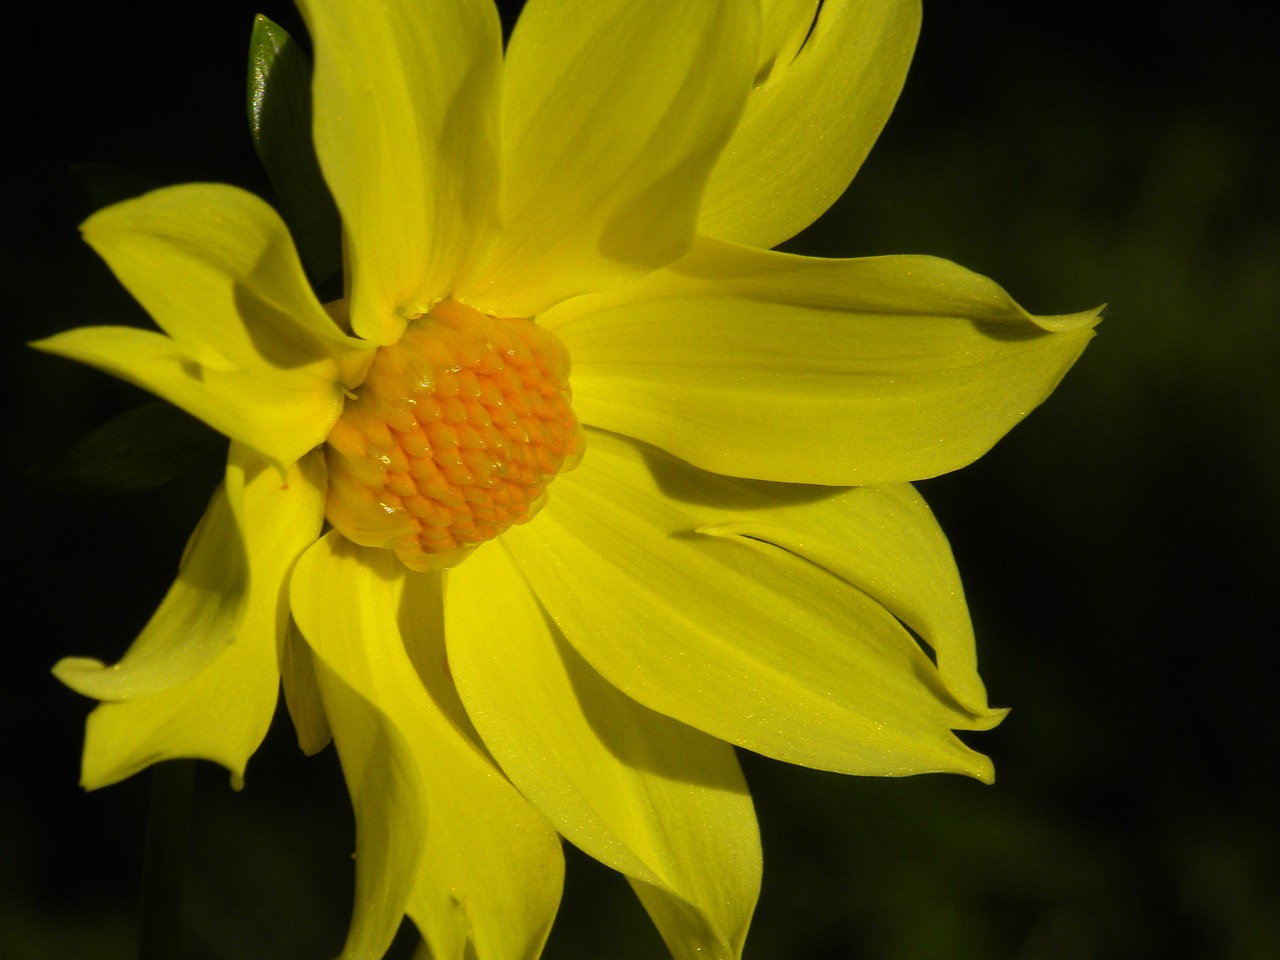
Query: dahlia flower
[(579, 485)]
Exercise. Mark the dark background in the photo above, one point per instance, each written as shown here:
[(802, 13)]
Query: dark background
[(1119, 549)]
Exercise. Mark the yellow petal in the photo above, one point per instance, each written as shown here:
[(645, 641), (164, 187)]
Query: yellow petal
[(613, 115), (196, 621), (279, 422), (249, 349), (739, 638), (784, 27), (882, 540), (648, 796), (388, 797), (302, 693), (780, 367), (216, 268), (440, 832), (220, 714), (222, 711), (406, 127), (811, 118)]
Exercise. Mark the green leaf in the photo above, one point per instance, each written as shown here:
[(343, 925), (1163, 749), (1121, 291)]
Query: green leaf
[(139, 450), (279, 95)]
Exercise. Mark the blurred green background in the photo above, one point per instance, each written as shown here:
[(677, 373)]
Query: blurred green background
[(1120, 548)]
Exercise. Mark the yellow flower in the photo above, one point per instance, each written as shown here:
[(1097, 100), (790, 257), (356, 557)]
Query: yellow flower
[(737, 559)]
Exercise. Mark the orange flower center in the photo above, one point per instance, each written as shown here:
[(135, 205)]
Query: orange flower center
[(453, 437)]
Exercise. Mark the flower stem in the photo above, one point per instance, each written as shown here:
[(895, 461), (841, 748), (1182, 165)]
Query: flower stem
[(164, 860)]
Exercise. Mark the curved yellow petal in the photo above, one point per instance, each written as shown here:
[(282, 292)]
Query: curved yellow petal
[(249, 348), (737, 637), (883, 540), (302, 693), (613, 115), (406, 128), (278, 421), (646, 795), (388, 796), (197, 620), (844, 372), (812, 116), (440, 832), (220, 713), (216, 268)]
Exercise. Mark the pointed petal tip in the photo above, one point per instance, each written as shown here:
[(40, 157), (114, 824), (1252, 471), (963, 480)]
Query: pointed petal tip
[(1064, 323), (969, 762), (985, 772), (992, 718), (45, 344)]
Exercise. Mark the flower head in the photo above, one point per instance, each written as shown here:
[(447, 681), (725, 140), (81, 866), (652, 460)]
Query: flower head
[(524, 611)]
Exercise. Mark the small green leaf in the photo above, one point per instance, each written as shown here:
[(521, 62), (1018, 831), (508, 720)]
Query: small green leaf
[(142, 449), (280, 124)]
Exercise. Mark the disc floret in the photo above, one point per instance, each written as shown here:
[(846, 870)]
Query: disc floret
[(453, 437)]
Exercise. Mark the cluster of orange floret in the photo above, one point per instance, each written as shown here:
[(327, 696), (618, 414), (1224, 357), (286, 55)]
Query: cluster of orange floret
[(452, 437)]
